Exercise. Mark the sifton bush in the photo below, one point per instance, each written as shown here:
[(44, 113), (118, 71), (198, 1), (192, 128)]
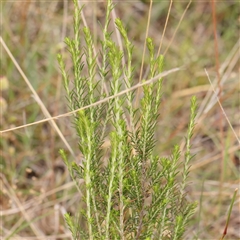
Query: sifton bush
[(129, 193)]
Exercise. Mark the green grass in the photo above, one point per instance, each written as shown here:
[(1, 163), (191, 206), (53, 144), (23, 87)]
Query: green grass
[(34, 34)]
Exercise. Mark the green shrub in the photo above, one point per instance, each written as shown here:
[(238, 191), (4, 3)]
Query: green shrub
[(129, 193)]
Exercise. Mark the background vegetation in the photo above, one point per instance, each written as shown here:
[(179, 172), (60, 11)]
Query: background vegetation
[(36, 189)]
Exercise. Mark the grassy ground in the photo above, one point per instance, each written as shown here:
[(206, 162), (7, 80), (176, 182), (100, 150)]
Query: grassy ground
[(35, 187)]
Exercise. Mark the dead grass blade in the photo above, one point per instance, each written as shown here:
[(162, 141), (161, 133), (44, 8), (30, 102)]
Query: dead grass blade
[(98, 102), (37, 98), (13, 197), (224, 113)]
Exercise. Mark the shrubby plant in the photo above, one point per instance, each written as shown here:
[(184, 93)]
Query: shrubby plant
[(129, 193)]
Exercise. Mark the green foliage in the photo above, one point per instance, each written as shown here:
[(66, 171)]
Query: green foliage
[(129, 192)]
